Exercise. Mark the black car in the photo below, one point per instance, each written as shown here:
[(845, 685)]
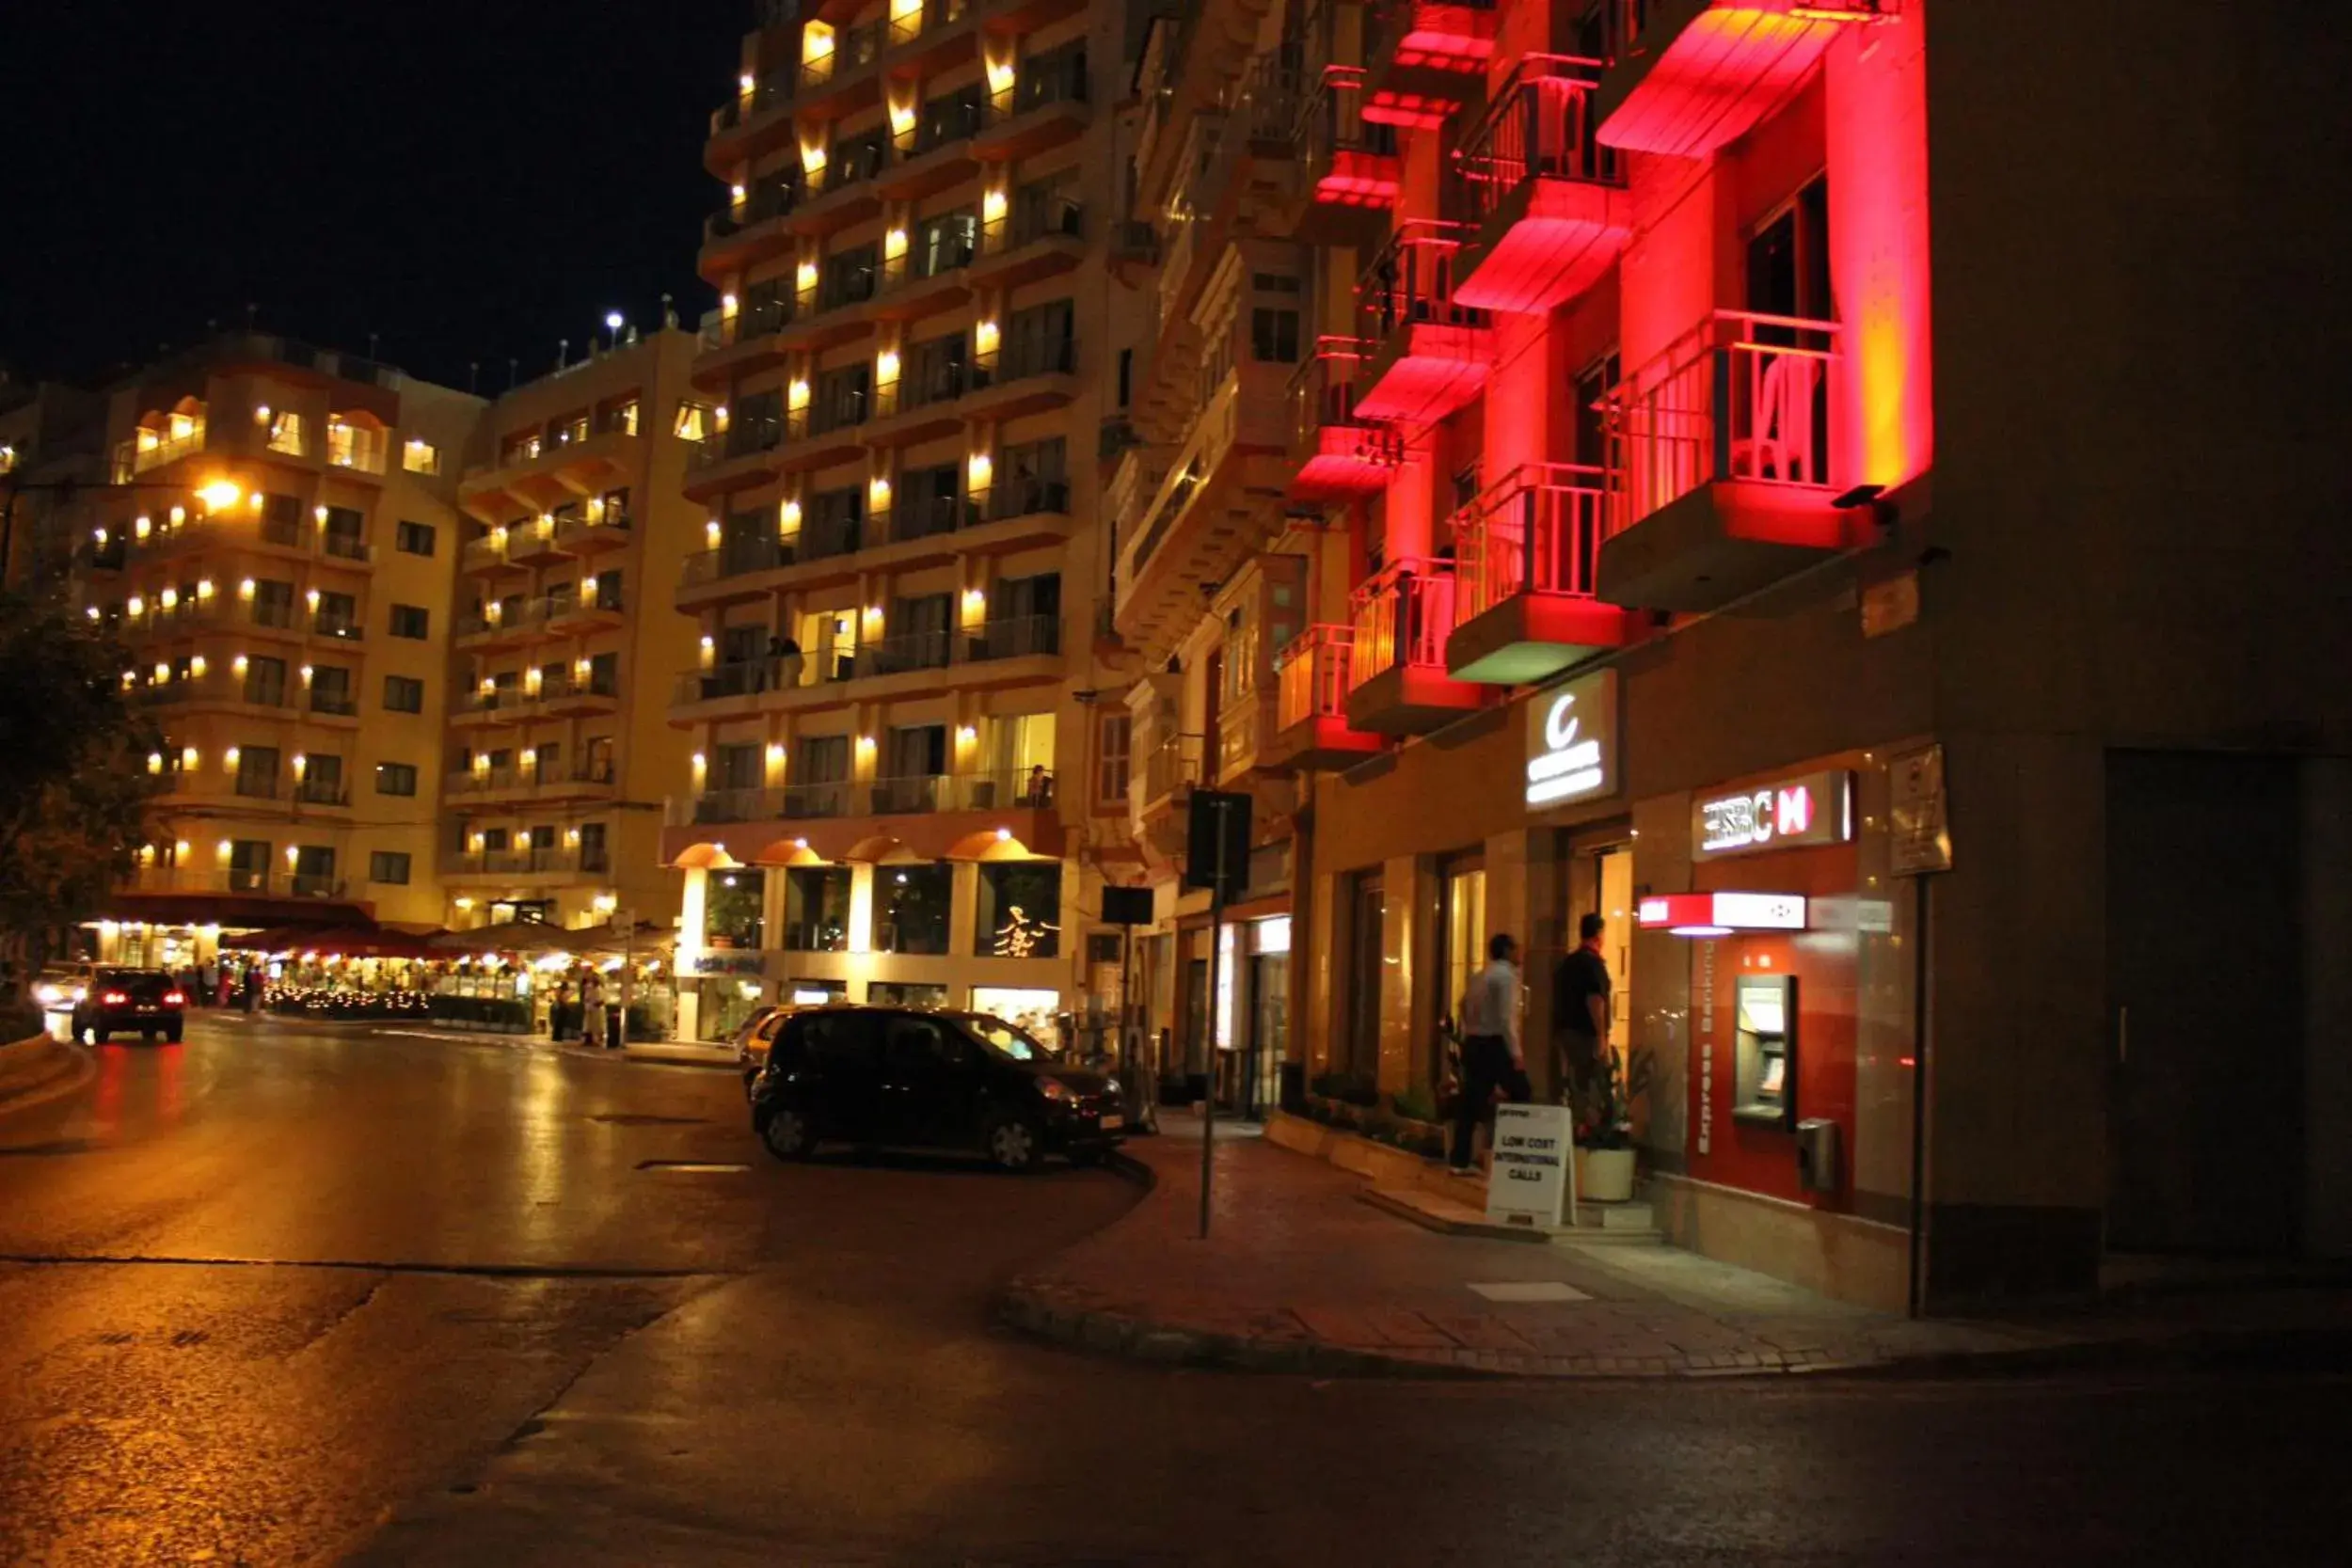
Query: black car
[(122, 1001), (888, 1077)]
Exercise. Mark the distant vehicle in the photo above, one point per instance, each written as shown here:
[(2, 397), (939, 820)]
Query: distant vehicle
[(62, 986), (899, 1078), (122, 1001)]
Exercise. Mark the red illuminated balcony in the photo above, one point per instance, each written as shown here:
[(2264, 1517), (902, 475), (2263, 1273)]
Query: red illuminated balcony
[(1687, 76), (1311, 732), (1546, 201), (1339, 454), (1398, 681), (1426, 58), (1724, 467), (1352, 163), (1526, 554), (1429, 353)]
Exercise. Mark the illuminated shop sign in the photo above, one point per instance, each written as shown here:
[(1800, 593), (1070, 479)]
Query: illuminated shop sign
[(1572, 740), (1719, 914), (1813, 808)]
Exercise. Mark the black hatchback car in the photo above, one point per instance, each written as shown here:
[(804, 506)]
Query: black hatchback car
[(146, 1002), (884, 1077)]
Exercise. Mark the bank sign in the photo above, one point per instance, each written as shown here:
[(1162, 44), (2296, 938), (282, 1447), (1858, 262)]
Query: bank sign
[(1572, 740), (1813, 808)]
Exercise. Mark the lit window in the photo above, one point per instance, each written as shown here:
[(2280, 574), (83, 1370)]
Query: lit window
[(285, 432), (625, 418), (350, 444), (7, 459), (419, 456), (694, 422)]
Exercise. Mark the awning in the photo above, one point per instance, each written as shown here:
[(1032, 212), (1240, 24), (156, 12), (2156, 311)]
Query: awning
[(342, 942)]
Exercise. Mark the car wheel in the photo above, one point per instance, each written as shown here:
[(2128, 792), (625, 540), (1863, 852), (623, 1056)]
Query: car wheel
[(789, 1134), (1014, 1143), (171, 1036), (101, 1037)]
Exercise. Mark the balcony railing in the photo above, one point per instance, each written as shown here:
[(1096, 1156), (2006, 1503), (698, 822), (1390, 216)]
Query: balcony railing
[(1019, 357), (1014, 637), (1173, 764), (1740, 396), (1402, 616), (1538, 125), (1312, 676), (904, 651), (852, 48), (1336, 138), (340, 704), (1021, 497), (1322, 396), (321, 792), (771, 91), (747, 433), (1538, 530), (1411, 283), (529, 861), (905, 28)]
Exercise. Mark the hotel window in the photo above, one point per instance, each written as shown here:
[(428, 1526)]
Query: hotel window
[(285, 432), (410, 621), (404, 694), (1461, 932), (567, 432), (330, 691), (519, 448), (414, 538), (1019, 910), (621, 416), (350, 444), (912, 904), (1110, 776), (389, 866), (420, 456), (1273, 336), (817, 909), (693, 423), (338, 615), (594, 856), (395, 778)]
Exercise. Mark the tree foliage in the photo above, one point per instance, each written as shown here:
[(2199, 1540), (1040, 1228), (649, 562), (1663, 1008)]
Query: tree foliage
[(75, 783)]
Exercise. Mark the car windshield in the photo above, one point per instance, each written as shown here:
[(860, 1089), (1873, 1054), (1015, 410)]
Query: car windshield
[(1006, 1040), (139, 985)]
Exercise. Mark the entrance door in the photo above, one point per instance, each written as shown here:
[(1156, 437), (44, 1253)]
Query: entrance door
[(1364, 938), (2205, 1008), (1269, 1029), (1196, 1051)]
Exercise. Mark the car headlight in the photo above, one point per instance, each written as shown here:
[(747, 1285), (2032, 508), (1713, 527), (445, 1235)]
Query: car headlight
[(49, 995), (1053, 1088), (1110, 1086)]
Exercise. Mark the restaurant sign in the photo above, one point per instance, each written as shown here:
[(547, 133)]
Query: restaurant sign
[(1572, 740)]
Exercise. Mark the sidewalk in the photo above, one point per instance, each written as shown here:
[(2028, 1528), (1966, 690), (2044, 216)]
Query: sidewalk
[(1300, 1275), (705, 1054)]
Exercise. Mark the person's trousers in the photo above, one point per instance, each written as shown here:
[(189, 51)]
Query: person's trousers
[(1588, 1074), (1486, 1065)]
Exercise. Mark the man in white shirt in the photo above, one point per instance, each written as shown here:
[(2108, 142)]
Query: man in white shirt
[(1491, 1055)]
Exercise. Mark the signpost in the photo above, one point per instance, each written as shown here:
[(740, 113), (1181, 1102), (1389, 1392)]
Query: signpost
[(1533, 1180), (1217, 856)]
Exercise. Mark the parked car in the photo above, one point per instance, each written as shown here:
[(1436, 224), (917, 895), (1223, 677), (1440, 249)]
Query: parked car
[(120, 1001), (896, 1077)]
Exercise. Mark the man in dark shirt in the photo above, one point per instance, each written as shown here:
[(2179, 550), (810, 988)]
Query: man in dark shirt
[(1579, 1022)]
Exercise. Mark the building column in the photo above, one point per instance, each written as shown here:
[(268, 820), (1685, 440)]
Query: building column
[(692, 927)]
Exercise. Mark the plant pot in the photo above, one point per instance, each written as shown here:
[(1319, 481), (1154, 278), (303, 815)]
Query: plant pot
[(1604, 1175)]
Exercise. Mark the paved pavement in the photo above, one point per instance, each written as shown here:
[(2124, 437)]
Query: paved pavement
[(1298, 1275)]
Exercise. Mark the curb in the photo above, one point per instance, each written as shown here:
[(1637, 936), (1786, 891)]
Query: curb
[(1021, 1305), (37, 1071)]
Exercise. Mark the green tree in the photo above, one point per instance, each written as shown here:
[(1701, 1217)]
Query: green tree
[(74, 785)]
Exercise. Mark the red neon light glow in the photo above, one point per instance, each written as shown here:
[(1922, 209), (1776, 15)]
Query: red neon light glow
[(1570, 234), (1725, 71)]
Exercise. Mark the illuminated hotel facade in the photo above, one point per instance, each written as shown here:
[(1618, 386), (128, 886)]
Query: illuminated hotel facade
[(1558, 499), (900, 771)]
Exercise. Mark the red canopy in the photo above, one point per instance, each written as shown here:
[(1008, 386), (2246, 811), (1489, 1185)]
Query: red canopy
[(345, 941)]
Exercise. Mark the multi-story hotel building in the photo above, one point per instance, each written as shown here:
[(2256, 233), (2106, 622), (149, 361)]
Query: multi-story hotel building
[(1947, 783), (899, 758), (560, 754), (275, 550)]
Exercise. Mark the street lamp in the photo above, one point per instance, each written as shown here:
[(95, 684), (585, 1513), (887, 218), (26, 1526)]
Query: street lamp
[(221, 494), (611, 329)]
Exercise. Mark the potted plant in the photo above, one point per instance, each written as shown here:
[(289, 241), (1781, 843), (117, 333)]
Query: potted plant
[(1605, 1153)]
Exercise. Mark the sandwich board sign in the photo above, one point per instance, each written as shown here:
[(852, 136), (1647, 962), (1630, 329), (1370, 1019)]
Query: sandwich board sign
[(1534, 1166)]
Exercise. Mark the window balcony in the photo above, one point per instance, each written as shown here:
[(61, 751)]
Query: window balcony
[(1429, 352), (922, 36), (495, 625), (1526, 556), (1039, 239), (222, 688), (1688, 77), (752, 124), (830, 428), (1724, 476), (1398, 681), (567, 694), (918, 283), (1340, 455), (328, 793), (1172, 769), (529, 862), (579, 614), (1310, 728), (586, 779), (1546, 201), (1353, 167), (844, 189), (745, 343), (592, 534), (836, 73), (737, 458), (483, 709), (1022, 376), (533, 542), (919, 402), (1425, 58), (743, 232), (1046, 106)]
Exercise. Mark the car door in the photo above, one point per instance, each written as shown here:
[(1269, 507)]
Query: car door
[(844, 1074), (932, 1083)]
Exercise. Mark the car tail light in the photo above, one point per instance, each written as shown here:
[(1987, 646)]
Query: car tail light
[(175, 999), (115, 999)]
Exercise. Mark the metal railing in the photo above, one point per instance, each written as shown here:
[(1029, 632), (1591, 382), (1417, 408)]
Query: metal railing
[(1311, 675), (1402, 615), (1321, 394), (1536, 530), (1739, 396), (852, 49), (747, 433), (1330, 121), (1017, 358), (1539, 125), (1410, 282), (771, 91), (1013, 637), (309, 791), (525, 861), (1176, 761), (1021, 497), (336, 704), (904, 29)]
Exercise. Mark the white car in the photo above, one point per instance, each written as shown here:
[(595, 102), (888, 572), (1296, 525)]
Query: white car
[(63, 988)]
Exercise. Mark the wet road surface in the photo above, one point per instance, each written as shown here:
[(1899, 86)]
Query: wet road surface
[(283, 1295)]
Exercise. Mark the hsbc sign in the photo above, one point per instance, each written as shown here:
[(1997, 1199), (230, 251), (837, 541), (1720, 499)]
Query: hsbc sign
[(1814, 808)]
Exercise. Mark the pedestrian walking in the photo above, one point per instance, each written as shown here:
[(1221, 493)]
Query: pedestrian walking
[(1579, 1025), (591, 1010), (253, 987), (1492, 1058)]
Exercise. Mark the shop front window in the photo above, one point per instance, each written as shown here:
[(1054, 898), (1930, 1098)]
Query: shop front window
[(734, 911), (1462, 930), (911, 904), (900, 993), (1020, 909), (1367, 911), (817, 909)]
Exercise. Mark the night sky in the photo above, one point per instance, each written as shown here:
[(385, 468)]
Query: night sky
[(469, 181)]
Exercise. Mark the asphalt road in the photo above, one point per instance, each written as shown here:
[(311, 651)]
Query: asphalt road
[(286, 1296)]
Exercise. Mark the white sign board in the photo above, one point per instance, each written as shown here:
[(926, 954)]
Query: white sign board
[(1534, 1151), (1572, 740)]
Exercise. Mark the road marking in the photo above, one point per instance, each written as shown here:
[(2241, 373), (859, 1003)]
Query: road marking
[(697, 1167), (1530, 1289)]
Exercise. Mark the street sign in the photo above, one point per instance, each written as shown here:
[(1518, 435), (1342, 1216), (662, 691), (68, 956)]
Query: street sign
[(1217, 842), (1533, 1147)]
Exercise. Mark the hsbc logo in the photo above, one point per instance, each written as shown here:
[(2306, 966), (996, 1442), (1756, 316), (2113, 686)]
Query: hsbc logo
[(1816, 809)]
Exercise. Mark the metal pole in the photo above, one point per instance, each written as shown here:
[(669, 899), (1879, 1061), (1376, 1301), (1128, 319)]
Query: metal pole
[(1216, 946)]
